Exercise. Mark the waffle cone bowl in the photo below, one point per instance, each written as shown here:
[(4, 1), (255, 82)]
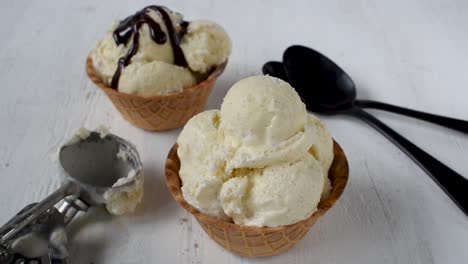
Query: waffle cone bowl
[(157, 113), (254, 241)]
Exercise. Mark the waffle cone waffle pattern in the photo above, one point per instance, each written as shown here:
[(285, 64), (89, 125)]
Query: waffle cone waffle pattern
[(156, 113), (258, 241)]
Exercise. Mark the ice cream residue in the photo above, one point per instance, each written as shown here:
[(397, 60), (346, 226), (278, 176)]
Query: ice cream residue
[(122, 154), (81, 134), (103, 131), (125, 194)]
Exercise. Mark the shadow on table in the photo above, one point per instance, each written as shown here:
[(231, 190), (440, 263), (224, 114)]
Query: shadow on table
[(157, 200), (89, 233), (85, 234), (365, 217)]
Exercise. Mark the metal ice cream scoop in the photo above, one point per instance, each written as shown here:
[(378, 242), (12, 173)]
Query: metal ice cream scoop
[(91, 167)]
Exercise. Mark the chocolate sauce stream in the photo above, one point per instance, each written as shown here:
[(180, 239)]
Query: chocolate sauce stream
[(129, 28)]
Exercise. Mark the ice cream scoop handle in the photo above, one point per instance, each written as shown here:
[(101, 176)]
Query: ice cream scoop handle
[(453, 123), (454, 185), (20, 221), (70, 207)]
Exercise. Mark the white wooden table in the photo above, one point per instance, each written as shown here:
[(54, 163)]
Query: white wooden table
[(410, 53)]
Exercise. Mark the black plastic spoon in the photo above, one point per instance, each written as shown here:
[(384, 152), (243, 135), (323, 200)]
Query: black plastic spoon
[(325, 88), (324, 65)]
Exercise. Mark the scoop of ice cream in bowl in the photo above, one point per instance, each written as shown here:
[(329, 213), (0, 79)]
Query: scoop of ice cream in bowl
[(259, 172), (158, 69)]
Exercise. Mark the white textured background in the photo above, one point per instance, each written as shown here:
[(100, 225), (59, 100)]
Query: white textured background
[(410, 53)]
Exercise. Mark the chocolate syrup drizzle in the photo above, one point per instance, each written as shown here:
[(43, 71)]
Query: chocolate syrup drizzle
[(129, 28)]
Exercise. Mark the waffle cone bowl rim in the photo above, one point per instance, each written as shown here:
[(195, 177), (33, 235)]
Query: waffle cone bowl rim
[(340, 159), (92, 75)]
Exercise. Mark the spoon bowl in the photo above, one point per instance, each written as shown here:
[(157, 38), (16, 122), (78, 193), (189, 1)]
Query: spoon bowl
[(276, 69), (333, 90)]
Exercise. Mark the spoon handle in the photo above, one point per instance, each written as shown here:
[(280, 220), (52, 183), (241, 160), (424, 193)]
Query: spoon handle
[(457, 124), (454, 185)]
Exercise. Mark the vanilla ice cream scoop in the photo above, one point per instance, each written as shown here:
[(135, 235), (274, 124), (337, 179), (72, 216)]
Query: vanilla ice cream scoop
[(264, 122), (114, 46), (261, 160), (205, 45), (201, 170), (261, 111), (322, 149), (156, 52), (281, 194), (155, 78)]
